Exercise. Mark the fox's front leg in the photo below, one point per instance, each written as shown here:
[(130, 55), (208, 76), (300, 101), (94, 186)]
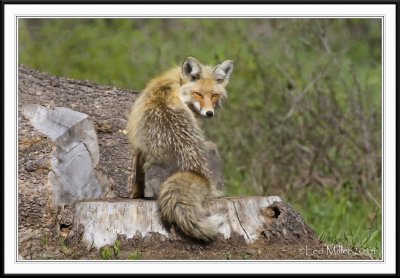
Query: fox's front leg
[(215, 164), (155, 175)]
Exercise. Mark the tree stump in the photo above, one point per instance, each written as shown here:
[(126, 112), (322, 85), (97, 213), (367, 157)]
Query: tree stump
[(75, 173), (246, 217)]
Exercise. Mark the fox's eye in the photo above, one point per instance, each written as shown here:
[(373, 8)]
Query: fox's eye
[(197, 93), (215, 95)]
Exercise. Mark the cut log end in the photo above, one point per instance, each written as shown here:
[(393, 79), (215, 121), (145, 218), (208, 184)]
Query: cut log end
[(75, 154)]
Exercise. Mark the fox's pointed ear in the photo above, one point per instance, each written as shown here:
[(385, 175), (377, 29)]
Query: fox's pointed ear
[(191, 69), (223, 71)]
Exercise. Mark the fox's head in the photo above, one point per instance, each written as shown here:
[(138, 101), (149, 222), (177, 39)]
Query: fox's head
[(203, 87)]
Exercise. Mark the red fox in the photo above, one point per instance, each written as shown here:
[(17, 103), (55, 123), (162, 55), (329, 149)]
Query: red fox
[(163, 128)]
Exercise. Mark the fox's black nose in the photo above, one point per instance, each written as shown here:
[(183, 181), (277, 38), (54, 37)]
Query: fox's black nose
[(209, 114)]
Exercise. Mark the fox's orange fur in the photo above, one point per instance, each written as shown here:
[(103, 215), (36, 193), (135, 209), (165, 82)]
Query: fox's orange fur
[(163, 128)]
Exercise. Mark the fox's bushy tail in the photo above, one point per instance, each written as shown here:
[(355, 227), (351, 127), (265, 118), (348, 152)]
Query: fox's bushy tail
[(182, 202)]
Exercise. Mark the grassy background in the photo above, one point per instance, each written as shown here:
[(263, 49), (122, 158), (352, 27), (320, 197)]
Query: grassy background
[(303, 118)]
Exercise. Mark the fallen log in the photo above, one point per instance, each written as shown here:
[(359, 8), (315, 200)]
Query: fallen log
[(78, 159), (108, 108)]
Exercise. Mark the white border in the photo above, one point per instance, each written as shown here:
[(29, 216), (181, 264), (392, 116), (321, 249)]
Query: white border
[(10, 70)]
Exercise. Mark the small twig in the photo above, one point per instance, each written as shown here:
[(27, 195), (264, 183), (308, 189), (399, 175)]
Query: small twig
[(324, 38), (286, 74), (307, 88)]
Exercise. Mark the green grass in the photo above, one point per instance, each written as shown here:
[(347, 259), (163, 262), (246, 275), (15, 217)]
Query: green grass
[(117, 248), (341, 217), (63, 246), (303, 117), (111, 252), (106, 253), (135, 255)]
